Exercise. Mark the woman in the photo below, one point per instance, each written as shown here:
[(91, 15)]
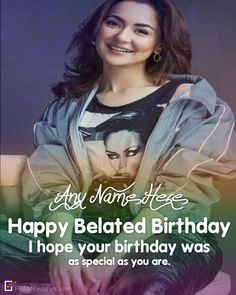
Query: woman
[(133, 56), (119, 141)]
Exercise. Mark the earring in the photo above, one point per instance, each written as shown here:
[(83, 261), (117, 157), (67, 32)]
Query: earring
[(156, 57), (93, 42)]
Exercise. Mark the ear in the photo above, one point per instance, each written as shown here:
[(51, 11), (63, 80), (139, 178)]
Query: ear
[(158, 49)]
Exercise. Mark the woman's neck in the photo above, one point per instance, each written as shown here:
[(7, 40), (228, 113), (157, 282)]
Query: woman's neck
[(118, 79)]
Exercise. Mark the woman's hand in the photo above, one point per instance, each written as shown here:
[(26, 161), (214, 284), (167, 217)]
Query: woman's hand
[(67, 279), (102, 276)]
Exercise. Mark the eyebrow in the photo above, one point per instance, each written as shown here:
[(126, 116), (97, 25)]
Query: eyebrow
[(132, 148), (111, 152), (136, 24)]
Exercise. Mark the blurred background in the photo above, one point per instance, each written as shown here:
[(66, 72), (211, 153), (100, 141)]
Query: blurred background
[(34, 38)]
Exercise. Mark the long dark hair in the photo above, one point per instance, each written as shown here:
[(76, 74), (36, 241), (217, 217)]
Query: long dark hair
[(85, 69)]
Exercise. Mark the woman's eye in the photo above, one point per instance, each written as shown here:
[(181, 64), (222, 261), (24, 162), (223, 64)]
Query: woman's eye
[(111, 23), (142, 32), (132, 152), (112, 155)]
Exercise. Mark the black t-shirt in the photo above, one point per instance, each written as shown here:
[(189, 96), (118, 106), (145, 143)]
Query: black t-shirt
[(115, 137)]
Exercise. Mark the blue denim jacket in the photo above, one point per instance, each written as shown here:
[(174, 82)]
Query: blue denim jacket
[(192, 144)]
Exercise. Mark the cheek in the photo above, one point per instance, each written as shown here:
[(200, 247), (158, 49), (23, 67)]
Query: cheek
[(103, 33), (115, 163), (134, 162), (146, 45)]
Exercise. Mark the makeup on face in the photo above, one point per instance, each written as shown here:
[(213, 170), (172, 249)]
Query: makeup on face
[(129, 34), (124, 150)]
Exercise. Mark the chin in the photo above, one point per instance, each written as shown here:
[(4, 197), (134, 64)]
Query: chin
[(116, 61), (121, 63)]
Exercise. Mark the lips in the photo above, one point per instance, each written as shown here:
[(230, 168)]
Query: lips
[(119, 49)]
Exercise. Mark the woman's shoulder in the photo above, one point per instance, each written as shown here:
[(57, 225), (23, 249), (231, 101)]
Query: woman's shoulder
[(198, 89), (193, 86), (181, 89), (61, 108)]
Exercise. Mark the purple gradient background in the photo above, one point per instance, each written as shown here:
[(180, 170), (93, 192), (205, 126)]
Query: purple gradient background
[(34, 38)]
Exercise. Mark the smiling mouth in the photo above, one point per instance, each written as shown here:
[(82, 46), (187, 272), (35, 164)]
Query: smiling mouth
[(118, 49)]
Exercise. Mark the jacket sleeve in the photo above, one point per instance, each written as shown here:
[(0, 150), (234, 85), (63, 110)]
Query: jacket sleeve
[(50, 169), (201, 153)]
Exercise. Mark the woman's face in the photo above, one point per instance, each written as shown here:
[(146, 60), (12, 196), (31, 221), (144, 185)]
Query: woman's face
[(128, 35), (124, 150)]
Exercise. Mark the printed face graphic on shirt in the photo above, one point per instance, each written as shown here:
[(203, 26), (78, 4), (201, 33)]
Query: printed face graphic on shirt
[(124, 150)]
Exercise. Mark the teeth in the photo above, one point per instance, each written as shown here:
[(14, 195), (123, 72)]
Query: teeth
[(119, 49)]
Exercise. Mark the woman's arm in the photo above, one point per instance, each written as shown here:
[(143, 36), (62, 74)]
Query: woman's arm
[(49, 171), (62, 275), (50, 168)]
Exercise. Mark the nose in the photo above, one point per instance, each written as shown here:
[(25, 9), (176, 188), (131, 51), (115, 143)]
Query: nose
[(123, 162), (124, 35)]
